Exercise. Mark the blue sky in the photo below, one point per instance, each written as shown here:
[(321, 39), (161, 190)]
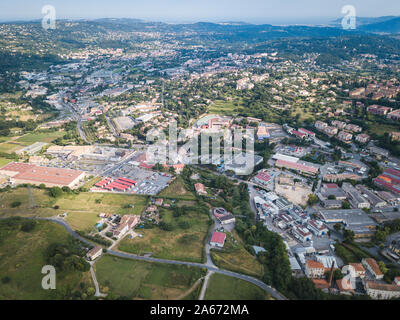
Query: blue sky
[(255, 11)]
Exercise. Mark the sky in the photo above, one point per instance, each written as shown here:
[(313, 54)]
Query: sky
[(252, 11)]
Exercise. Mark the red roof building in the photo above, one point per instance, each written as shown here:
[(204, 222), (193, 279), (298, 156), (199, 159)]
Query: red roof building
[(218, 239)]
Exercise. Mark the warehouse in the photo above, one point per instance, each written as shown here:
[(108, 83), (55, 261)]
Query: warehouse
[(21, 173)]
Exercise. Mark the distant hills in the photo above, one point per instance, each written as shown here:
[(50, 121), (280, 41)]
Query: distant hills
[(388, 26)]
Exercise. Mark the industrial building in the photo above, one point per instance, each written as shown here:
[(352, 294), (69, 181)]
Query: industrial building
[(21, 173)]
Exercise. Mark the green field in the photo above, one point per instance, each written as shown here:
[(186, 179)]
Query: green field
[(177, 190), (170, 244), (144, 280), (82, 209), (40, 136), (224, 107), (22, 259), (4, 161), (221, 287), (236, 258)]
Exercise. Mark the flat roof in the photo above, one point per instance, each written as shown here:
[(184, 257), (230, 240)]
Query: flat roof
[(40, 174)]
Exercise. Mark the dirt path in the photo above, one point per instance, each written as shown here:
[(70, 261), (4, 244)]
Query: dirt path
[(194, 287)]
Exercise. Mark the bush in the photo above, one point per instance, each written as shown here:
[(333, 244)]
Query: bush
[(16, 204), (6, 280), (28, 226)]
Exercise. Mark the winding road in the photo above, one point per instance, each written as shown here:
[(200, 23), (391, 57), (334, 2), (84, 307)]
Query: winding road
[(209, 267)]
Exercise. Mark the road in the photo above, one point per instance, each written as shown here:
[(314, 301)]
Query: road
[(211, 268)]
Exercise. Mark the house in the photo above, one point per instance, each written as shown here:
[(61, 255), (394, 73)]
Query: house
[(127, 222), (200, 189), (397, 281), (94, 253), (218, 239), (307, 132), (345, 136), (395, 136), (362, 138), (314, 269), (382, 291), (321, 284), (359, 270), (372, 266), (320, 125), (159, 202), (353, 128), (379, 110)]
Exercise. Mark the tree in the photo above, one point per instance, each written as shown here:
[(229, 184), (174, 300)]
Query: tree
[(312, 200), (348, 235), (55, 192), (337, 227)]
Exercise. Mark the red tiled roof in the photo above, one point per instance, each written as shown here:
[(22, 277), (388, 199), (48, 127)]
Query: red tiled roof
[(218, 237)]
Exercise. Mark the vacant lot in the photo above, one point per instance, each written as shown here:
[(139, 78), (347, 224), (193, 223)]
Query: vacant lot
[(178, 244), (22, 259), (177, 190), (221, 287), (236, 258), (297, 194), (144, 280), (82, 209)]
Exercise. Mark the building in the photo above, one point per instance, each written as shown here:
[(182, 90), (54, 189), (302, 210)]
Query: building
[(382, 291), (339, 124), (262, 133), (372, 266), (314, 269), (218, 239), (262, 178), (394, 115), (353, 128), (301, 233), (94, 253), (301, 166), (355, 197), (345, 136), (227, 219), (395, 136), (307, 132), (200, 189), (358, 269), (372, 198), (317, 227), (390, 180), (332, 190), (362, 138), (379, 110), (341, 177), (21, 173), (332, 204), (320, 125), (127, 223), (388, 197), (355, 220)]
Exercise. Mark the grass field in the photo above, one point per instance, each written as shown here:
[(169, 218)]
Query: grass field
[(40, 136), (221, 287), (236, 258), (10, 145), (22, 259), (144, 280), (224, 107), (82, 209), (177, 190), (170, 244), (4, 161)]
